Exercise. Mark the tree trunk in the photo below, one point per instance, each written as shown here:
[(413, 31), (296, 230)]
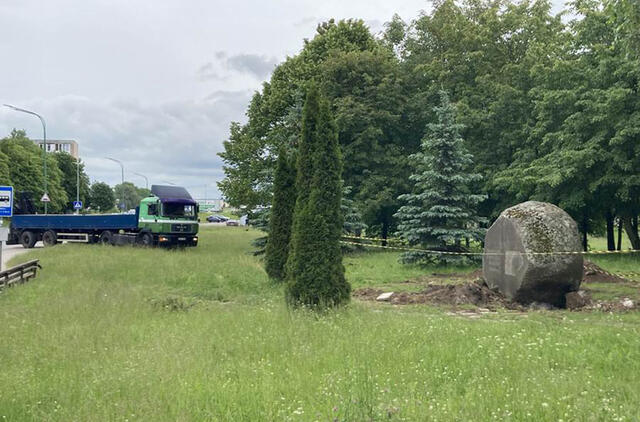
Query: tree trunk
[(611, 239), (385, 232), (632, 233), (619, 233), (585, 229)]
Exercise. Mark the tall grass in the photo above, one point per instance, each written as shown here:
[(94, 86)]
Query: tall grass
[(133, 334)]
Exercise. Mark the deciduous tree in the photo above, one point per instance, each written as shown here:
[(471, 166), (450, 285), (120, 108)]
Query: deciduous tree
[(101, 197)]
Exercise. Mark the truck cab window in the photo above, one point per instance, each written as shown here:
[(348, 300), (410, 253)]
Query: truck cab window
[(178, 210), (153, 209)]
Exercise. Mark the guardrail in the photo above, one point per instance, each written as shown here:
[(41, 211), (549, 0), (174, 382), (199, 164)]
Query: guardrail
[(19, 274)]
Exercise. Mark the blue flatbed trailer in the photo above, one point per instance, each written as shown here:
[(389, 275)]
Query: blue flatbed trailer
[(27, 229), (75, 222)]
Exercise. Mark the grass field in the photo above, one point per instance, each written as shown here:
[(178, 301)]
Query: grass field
[(122, 334)]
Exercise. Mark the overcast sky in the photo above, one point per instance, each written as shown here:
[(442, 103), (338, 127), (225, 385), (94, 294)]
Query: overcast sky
[(154, 83)]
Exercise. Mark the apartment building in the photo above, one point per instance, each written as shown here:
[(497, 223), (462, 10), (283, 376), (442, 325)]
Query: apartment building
[(57, 145)]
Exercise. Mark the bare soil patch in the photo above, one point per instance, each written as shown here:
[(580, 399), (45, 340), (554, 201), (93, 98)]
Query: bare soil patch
[(466, 293), (594, 274), (469, 290)]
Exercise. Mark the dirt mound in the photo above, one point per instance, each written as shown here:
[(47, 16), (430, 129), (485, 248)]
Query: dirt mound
[(469, 290), (469, 293), (594, 274)]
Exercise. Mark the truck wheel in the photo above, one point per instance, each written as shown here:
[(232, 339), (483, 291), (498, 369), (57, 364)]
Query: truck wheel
[(28, 239), (106, 238), (146, 239), (50, 238)]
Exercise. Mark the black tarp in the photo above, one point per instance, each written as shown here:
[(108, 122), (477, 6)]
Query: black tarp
[(172, 194)]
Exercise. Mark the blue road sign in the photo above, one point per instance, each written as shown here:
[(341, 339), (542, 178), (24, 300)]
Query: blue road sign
[(6, 201), (77, 205)]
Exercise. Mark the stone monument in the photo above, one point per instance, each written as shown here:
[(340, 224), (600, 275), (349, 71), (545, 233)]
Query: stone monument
[(516, 262)]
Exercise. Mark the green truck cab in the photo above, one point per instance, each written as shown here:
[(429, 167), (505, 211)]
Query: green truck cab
[(168, 217)]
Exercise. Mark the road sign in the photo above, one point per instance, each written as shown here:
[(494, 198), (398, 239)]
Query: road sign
[(77, 205), (45, 198), (6, 201)]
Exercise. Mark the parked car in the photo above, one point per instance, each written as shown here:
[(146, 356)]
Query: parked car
[(215, 218), (233, 223)]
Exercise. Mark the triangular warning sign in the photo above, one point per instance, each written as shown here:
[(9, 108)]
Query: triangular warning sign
[(45, 198)]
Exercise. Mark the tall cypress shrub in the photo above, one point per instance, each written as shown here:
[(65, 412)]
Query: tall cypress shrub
[(442, 210), (315, 272), (280, 221)]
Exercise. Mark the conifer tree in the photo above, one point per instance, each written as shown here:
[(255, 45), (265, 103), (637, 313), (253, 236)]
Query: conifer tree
[(284, 199), (353, 223), (259, 219), (441, 211), (314, 271)]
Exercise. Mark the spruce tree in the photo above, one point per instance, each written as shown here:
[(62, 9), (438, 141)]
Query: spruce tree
[(353, 223), (441, 211), (259, 219), (314, 271), (284, 199)]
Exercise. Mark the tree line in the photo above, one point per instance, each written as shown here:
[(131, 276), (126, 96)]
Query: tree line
[(21, 166), (548, 107)]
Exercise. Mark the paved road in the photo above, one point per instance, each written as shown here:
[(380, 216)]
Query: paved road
[(9, 251)]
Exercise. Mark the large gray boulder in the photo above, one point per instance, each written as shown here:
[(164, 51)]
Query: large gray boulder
[(512, 262)]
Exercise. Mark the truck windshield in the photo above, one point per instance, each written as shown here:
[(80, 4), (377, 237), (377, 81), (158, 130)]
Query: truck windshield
[(170, 209)]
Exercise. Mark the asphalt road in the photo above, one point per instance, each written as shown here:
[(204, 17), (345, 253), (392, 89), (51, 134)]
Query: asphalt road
[(9, 251)]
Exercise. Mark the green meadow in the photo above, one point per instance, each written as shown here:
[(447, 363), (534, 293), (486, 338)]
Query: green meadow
[(129, 334)]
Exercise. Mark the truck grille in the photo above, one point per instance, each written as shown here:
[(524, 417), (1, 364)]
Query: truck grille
[(181, 228)]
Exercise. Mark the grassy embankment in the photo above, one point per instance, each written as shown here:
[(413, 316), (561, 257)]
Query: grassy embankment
[(132, 334)]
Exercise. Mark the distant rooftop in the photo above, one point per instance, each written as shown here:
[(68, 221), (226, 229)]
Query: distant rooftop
[(56, 141)]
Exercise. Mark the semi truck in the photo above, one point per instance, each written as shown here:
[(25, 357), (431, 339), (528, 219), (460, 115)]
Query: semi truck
[(168, 217)]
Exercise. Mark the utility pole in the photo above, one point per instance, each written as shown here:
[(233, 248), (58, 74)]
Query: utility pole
[(77, 183), (44, 146), (122, 168)]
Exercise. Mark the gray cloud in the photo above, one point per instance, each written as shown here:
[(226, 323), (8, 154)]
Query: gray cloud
[(176, 140), (307, 21), (255, 65), (208, 71)]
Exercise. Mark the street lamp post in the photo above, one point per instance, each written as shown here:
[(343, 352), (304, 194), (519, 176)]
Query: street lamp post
[(44, 144), (122, 168), (145, 179), (77, 183)]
